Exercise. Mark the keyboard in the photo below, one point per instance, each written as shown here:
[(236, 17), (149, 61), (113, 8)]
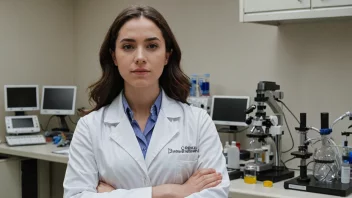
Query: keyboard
[(22, 140)]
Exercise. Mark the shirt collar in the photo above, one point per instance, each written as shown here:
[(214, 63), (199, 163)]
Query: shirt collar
[(154, 110)]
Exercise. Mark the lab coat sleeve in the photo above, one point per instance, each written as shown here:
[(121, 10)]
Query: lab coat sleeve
[(211, 156), (81, 177)]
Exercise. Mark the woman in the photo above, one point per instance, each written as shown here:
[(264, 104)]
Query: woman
[(142, 139)]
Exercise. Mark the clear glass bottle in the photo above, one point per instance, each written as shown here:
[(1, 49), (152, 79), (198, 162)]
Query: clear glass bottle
[(250, 173), (325, 165)]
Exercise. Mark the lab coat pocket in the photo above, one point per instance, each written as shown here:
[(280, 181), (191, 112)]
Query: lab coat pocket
[(186, 166)]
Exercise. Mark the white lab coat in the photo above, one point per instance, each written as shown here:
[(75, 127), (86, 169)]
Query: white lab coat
[(104, 147)]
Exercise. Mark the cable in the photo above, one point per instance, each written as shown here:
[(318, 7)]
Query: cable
[(69, 117), (288, 110), (289, 130), (289, 160), (47, 124)]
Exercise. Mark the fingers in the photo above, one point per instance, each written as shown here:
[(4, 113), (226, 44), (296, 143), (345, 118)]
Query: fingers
[(212, 184), (210, 178), (205, 171)]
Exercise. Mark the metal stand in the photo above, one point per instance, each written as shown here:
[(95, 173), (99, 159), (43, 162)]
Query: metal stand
[(63, 124)]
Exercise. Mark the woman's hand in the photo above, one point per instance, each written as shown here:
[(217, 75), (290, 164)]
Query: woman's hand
[(103, 187), (200, 180)]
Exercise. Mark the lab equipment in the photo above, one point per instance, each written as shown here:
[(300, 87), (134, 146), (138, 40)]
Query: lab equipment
[(21, 98), (22, 124), (23, 140), (267, 126), (325, 165), (59, 101), (229, 110), (233, 154), (302, 152), (250, 173), (324, 179), (345, 172)]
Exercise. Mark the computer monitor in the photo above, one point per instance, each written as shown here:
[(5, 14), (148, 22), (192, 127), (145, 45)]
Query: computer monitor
[(21, 98), (230, 110), (59, 101)]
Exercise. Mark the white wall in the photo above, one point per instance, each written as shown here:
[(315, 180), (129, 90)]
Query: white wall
[(36, 45), (312, 62)]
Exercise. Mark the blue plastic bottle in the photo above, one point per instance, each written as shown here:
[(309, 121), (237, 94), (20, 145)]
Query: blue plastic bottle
[(206, 85), (193, 85)]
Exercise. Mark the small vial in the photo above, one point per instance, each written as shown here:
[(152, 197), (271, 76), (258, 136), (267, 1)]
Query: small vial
[(345, 172)]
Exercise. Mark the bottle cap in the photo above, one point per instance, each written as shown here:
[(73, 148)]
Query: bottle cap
[(268, 183)]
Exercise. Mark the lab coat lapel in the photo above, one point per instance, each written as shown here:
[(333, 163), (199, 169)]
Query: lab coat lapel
[(165, 128), (122, 132)]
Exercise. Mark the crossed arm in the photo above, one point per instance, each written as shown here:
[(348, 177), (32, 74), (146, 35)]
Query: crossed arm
[(200, 180)]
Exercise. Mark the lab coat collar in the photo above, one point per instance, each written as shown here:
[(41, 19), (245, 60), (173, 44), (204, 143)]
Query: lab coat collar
[(115, 112), (163, 132)]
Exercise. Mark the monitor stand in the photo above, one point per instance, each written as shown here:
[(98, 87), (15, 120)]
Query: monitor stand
[(63, 124), (19, 113), (230, 129)]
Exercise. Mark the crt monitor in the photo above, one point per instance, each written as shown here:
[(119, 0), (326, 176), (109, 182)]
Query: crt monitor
[(58, 100), (230, 110), (20, 98)]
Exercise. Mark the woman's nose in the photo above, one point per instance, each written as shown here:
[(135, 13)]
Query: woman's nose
[(140, 57)]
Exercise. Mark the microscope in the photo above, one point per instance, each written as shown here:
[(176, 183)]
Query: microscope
[(267, 127)]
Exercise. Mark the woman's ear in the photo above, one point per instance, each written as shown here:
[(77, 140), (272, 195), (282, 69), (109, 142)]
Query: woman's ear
[(113, 57), (167, 56)]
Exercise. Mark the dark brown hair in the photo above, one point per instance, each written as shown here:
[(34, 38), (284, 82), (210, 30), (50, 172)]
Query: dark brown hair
[(173, 81)]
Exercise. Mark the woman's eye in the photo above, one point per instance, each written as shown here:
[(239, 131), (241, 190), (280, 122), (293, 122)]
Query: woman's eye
[(127, 47), (152, 46)]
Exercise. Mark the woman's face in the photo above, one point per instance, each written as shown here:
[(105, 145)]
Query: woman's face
[(140, 53)]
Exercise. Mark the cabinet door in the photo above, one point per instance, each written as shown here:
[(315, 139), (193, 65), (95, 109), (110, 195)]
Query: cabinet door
[(274, 5), (330, 3)]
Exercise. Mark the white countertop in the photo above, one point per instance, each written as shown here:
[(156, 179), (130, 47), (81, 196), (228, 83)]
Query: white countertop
[(42, 152), (239, 189)]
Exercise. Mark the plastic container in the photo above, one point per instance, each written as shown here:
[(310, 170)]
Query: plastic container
[(250, 174), (233, 154), (201, 86), (226, 147), (206, 85), (345, 172), (193, 85), (325, 165)]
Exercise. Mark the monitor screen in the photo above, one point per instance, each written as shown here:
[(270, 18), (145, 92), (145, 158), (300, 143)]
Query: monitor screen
[(230, 110), (21, 98), (22, 123), (58, 100)]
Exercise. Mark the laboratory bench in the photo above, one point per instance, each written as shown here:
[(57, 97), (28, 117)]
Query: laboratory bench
[(31, 166), (240, 189), (43, 155)]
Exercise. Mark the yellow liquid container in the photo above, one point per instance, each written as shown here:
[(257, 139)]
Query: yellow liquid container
[(249, 179), (250, 173)]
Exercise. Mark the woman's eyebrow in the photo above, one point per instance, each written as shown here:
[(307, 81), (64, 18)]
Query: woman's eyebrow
[(152, 39), (133, 41), (127, 40)]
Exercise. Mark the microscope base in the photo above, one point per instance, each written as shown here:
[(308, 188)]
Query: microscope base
[(234, 174), (334, 188), (275, 175)]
